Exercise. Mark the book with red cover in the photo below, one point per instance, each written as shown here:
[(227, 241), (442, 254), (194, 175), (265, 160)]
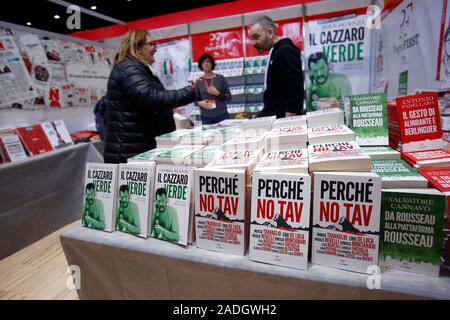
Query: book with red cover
[(428, 159), (440, 179), (420, 122), (34, 139)]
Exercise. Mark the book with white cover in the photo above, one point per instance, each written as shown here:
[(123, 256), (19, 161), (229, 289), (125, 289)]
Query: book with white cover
[(338, 156), (135, 198), (329, 134), (287, 138), (346, 220), (244, 159), (280, 216), (258, 123), (220, 210), (11, 148), (177, 154), (100, 189), (290, 121), (247, 140), (382, 153), (172, 219), (326, 117), (289, 161)]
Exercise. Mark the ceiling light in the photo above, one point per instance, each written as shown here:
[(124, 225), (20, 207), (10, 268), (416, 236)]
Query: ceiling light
[(28, 23), (93, 8), (56, 16)]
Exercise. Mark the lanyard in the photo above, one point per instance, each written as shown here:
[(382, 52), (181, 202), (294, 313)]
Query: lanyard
[(211, 84)]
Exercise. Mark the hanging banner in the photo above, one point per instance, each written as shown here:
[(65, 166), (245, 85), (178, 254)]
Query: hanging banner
[(443, 72), (224, 44), (172, 60), (411, 45), (337, 51), (291, 28)]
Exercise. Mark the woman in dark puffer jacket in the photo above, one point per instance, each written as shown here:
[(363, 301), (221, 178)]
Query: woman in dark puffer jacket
[(138, 106)]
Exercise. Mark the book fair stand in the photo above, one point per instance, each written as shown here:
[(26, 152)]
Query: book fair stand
[(346, 201)]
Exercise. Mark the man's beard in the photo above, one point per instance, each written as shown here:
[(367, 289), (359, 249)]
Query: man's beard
[(320, 80), (124, 204), (160, 208)]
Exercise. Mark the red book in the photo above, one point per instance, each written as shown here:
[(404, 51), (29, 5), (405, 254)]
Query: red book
[(440, 179), (428, 159), (34, 139), (420, 122)]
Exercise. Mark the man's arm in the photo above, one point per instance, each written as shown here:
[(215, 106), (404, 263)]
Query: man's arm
[(99, 223), (289, 66), (172, 235)]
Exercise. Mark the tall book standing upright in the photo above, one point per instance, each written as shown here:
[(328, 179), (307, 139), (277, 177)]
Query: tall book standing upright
[(419, 122), (346, 220), (100, 187), (135, 198), (34, 139), (220, 210), (368, 119), (172, 218), (11, 149), (411, 230), (279, 223)]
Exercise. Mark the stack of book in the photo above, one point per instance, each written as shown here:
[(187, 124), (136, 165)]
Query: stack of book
[(326, 117), (382, 153), (247, 140), (148, 156), (263, 123), (286, 161), (330, 134), (290, 121), (283, 138), (177, 154), (428, 159), (417, 123), (172, 138), (338, 156), (203, 157), (397, 174)]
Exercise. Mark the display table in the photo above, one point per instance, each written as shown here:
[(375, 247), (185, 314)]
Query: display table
[(41, 194), (121, 266)]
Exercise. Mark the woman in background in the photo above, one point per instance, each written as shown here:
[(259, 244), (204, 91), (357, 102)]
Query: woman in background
[(138, 106), (214, 91)]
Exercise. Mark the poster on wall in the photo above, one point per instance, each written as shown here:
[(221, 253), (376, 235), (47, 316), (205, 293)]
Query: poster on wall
[(337, 52), (223, 44), (15, 82), (411, 42), (291, 28), (172, 60)]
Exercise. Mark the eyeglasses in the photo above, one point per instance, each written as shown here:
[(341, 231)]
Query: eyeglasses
[(150, 43)]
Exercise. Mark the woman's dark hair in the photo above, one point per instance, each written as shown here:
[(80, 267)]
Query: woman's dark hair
[(204, 57)]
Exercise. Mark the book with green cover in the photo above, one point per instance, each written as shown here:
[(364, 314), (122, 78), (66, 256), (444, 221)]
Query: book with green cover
[(382, 153), (411, 230), (148, 156), (368, 119), (398, 174)]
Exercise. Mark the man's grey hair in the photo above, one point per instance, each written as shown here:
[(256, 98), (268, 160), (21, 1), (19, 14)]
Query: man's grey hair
[(265, 22)]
